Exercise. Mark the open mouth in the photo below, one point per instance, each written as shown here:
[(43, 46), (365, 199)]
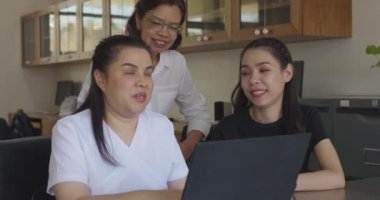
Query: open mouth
[(257, 93), (159, 43), (140, 97)]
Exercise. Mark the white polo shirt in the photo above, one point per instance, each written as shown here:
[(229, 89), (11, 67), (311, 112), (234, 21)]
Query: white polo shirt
[(151, 161)]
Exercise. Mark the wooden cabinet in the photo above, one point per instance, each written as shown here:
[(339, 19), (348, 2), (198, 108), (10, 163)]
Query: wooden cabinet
[(92, 23), (47, 26), (70, 30), (120, 12), (288, 20), (257, 18), (291, 20), (101, 18), (207, 22), (29, 39), (39, 34)]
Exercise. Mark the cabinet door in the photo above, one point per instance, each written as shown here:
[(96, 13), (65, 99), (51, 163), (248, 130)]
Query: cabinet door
[(357, 141), (29, 38), (120, 13), (207, 22), (68, 31), (92, 26), (47, 37), (257, 18)]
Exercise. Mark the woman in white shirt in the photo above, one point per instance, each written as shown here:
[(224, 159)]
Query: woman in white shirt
[(111, 148), (158, 23)]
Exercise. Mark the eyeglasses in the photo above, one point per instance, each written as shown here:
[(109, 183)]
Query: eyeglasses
[(158, 25)]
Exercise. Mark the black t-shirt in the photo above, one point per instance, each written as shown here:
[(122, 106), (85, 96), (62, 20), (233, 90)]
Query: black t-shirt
[(240, 125)]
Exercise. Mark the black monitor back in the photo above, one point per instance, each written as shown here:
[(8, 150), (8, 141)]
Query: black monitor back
[(298, 76)]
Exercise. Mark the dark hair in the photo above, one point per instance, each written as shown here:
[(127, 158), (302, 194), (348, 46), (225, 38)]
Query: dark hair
[(291, 110), (105, 54), (143, 6)]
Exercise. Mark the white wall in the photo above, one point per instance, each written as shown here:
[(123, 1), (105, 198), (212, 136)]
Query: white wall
[(20, 87), (341, 67), (332, 67)]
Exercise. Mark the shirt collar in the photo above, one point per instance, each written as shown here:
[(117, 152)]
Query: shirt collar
[(164, 62)]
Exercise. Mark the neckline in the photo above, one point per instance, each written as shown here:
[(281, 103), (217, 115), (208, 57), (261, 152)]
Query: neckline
[(115, 137)]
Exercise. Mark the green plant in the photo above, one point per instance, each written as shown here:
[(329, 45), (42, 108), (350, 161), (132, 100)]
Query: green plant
[(374, 50)]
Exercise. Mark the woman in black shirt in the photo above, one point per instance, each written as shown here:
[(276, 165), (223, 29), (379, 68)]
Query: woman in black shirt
[(266, 104)]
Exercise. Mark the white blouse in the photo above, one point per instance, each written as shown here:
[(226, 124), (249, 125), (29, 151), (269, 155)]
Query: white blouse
[(151, 161)]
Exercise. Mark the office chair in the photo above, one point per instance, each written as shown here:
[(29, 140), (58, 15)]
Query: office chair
[(24, 168)]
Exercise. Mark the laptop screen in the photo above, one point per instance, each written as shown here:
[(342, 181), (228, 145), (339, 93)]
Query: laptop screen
[(262, 168)]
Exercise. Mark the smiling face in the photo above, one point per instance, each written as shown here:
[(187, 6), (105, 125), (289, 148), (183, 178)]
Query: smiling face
[(127, 84), (262, 79), (157, 27)]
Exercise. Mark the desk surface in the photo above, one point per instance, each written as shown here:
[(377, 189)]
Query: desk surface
[(366, 189)]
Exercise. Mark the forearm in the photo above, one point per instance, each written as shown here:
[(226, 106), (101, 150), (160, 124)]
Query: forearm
[(187, 146), (78, 191), (195, 136), (140, 195), (320, 180)]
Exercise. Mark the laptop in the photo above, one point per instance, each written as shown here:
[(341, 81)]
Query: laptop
[(264, 168)]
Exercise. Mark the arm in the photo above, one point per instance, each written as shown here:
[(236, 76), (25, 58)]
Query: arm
[(78, 191), (187, 146), (193, 106), (330, 176)]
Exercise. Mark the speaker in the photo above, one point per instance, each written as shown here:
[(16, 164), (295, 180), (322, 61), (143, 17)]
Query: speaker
[(222, 109)]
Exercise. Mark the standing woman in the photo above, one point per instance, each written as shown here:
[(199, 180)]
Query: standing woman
[(113, 148), (266, 104), (159, 23)]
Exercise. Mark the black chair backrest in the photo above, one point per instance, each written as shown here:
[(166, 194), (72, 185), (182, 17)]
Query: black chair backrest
[(22, 125), (24, 164), (5, 130)]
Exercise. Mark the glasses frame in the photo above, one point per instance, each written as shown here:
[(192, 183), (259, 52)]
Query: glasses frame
[(157, 24)]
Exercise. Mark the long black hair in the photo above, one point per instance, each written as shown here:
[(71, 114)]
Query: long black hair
[(104, 55), (291, 110), (143, 6)]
